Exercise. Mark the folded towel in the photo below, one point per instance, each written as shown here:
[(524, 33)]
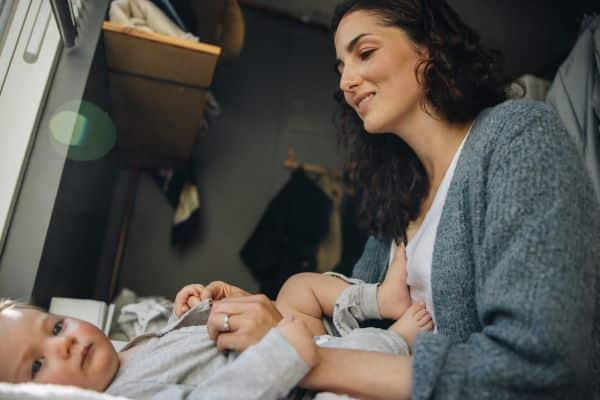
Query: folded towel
[(146, 16)]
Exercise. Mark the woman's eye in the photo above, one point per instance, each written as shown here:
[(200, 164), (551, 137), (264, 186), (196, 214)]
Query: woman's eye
[(57, 329), (35, 367), (366, 54)]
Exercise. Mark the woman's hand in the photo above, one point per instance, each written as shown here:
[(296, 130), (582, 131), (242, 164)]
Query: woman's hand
[(249, 318), (301, 338), (189, 296)]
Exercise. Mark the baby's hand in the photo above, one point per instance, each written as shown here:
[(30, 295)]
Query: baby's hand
[(300, 337), (187, 298), (393, 297), (191, 295)]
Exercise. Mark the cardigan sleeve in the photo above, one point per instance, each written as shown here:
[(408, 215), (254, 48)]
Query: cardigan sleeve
[(535, 276), (372, 264)]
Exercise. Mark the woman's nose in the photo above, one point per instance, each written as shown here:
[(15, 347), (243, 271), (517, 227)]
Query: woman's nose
[(349, 79)]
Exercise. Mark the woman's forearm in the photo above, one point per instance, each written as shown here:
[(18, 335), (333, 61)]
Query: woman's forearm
[(361, 374)]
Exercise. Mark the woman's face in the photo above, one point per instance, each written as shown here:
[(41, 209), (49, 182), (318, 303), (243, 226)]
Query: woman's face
[(377, 72)]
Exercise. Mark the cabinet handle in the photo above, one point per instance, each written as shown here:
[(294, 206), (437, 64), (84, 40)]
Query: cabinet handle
[(6, 7), (36, 37)]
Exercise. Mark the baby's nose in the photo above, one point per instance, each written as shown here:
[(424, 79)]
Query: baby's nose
[(63, 346)]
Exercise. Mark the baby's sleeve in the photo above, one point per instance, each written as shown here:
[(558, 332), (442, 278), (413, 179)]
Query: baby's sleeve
[(356, 303), (370, 339)]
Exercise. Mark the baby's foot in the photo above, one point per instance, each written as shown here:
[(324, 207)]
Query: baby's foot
[(393, 297), (416, 319)]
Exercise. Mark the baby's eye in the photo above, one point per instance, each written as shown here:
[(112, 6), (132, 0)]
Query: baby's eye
[(57, 329), (35, 367)]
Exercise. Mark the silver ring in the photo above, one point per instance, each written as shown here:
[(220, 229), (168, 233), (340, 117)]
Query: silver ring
[(226, 323)]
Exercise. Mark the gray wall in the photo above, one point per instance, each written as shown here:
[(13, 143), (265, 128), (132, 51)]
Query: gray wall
[(279, 94)]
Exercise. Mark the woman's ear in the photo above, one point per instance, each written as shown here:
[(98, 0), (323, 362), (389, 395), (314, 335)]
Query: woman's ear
[(422, 63)]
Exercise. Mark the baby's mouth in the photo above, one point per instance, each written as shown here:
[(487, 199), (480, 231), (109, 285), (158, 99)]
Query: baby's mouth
[(85, 354)]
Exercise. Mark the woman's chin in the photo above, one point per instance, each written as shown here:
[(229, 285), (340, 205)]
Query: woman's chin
[(372, 128)]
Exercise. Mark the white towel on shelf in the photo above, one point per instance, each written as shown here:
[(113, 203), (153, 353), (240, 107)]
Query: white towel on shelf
[(146, 16), (137, 315)]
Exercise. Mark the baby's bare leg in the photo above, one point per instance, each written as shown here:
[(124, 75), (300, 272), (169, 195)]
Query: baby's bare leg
[(309, 296)]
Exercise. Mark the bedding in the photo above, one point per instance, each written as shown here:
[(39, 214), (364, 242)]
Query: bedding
[(36, 391)]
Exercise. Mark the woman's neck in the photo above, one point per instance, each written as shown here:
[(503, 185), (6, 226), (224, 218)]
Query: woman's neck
[(434, 141)]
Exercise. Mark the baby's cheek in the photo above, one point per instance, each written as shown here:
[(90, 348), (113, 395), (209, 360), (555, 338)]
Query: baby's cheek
[(60, 375)]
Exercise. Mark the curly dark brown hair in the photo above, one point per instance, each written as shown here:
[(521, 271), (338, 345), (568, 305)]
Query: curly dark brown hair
[(460, 79)]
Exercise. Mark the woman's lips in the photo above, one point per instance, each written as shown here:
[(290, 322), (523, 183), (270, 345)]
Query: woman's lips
[(363, 105)]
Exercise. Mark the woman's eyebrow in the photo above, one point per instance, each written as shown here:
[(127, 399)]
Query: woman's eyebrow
[(350, 46)]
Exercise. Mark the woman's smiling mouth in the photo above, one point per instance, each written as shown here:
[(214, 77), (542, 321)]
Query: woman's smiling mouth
[(362, 102)]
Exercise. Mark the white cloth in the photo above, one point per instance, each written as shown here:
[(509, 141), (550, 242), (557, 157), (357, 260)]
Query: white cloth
[(138, 315), (419, 250), (146, 316), (529, 87), (146, 16), (40, 391)]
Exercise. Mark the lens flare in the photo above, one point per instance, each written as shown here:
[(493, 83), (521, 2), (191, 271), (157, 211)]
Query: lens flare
[(83, 130)]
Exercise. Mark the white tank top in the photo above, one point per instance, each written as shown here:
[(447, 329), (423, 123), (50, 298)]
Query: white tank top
[(419, 250)]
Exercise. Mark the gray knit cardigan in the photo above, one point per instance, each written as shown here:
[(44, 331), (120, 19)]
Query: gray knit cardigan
[(515, 266)]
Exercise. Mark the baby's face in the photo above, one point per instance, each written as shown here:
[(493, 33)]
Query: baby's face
[(46, 348)]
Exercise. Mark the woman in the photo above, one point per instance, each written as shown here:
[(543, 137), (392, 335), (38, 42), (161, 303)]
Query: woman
[(491, 199)]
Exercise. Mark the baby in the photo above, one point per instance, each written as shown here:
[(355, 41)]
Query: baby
[(181, 361)]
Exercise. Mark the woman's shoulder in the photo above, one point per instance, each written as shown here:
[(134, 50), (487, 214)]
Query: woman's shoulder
[(520, 107), (503, 123), (516, 112)]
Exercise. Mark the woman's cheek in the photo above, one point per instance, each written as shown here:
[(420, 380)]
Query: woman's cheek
[(348, 100)]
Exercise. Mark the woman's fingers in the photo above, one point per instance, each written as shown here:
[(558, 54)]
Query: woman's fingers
[(219, 323), (247, 299), (189, 296), (231, 341), (218, 290), (211, 291), (250, 318), (244, 311)]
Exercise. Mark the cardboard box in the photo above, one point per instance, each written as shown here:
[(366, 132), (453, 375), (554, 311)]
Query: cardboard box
[(158, 88)]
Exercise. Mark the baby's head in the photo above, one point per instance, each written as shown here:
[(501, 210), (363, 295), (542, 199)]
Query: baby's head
[(45, 348)]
